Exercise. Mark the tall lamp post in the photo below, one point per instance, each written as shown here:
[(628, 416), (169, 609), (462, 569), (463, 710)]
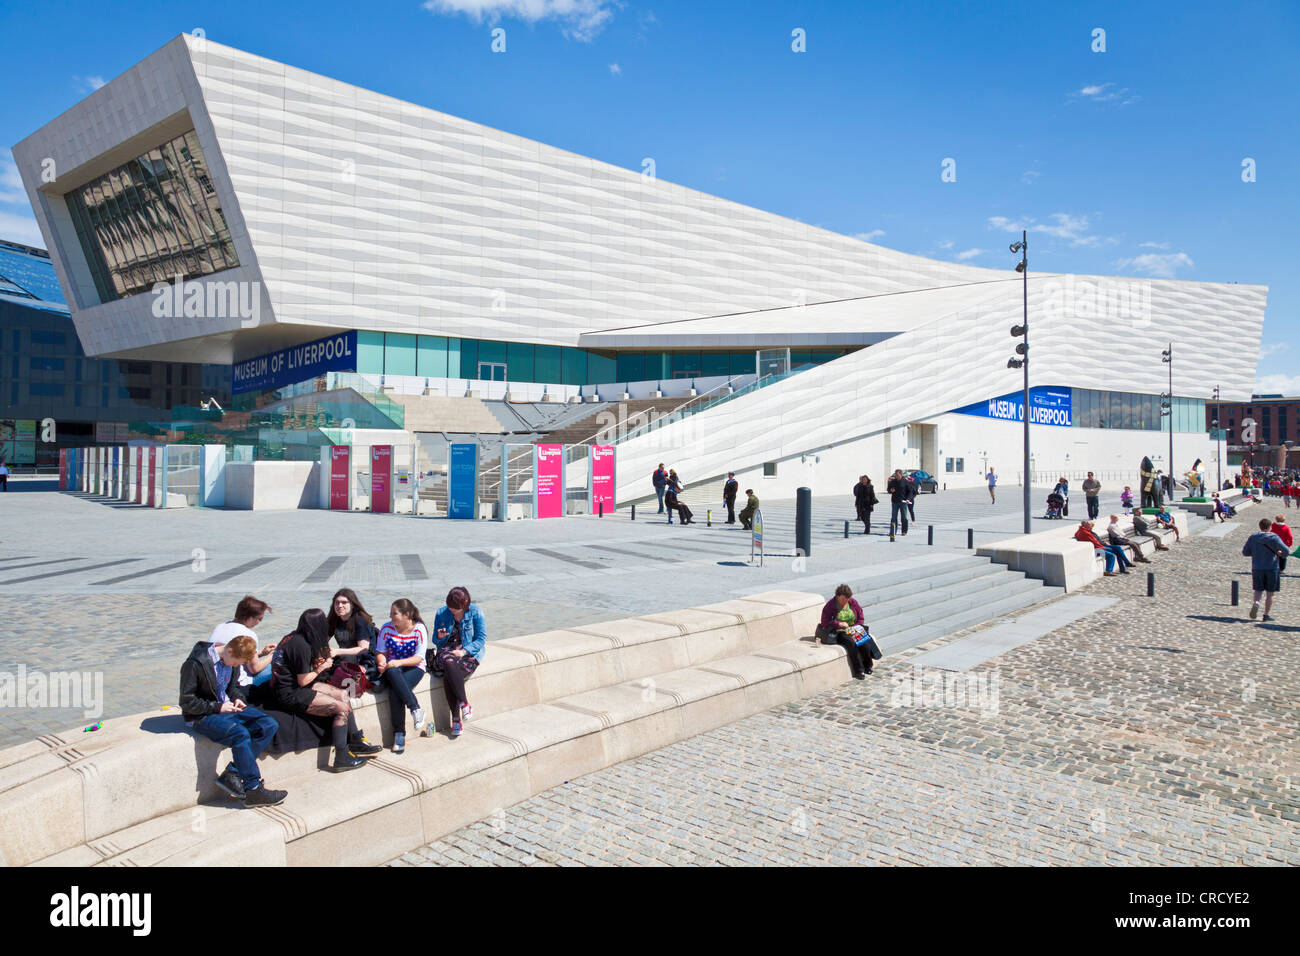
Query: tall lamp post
[(1167, 356), (1022, 349), (1218, 441)]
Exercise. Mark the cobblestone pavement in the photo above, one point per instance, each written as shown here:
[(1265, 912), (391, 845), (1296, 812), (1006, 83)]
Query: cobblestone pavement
[(1159, 731), (130, 589)]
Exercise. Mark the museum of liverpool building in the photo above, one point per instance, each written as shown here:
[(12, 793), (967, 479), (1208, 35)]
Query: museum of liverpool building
[(210, 207)]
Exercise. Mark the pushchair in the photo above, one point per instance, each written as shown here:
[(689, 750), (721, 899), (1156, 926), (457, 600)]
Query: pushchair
[(1055, 506)]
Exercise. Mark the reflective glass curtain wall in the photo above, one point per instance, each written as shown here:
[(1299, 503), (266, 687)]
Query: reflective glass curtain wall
[(152, 219), (1134, 411)]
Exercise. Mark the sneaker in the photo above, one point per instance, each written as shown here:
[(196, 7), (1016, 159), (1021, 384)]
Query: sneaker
[(363, 748), (420, 720), (399, 743), (265, 797), (466, 712), (348, 762), (1254, 611), (230, 782), (455, 728), (1268, 617), (1109, 574)]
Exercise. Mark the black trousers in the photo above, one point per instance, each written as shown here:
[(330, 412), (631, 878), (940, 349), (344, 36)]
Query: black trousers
[(731, 510), (453, 686), (859, 658)]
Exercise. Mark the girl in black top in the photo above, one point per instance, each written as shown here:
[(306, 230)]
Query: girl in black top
[(299, 662), (354, 632)]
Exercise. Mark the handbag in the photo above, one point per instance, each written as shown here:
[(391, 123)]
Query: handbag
[(351, 676), (868, 643)]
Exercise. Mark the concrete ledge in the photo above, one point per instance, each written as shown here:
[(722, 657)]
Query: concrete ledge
[(1056, 558)]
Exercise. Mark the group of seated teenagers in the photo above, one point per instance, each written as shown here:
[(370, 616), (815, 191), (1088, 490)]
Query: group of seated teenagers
[(298, 692)]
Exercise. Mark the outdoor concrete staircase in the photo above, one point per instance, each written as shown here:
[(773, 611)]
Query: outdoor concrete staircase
[(549, 707), (443, 413)]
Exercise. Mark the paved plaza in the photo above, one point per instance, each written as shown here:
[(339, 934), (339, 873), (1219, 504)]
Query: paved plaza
[(92, 585), (1154, 731)]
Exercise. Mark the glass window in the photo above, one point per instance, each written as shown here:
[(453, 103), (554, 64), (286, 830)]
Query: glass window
[(44, 389), (601, 369), (547, 364), (715, 363), (45, 363), (399, 353), (769, 469), (631, 366), (520, 365), (947, 465), (1115, 402), (492, 352), (742, 363), (370, 352), (151, 219), (431, 356), (686, 364), (574, 362), (468, 358), (961, 465)]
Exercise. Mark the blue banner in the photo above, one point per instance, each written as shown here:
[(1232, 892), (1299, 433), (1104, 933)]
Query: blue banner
[(337, 353), (462, 481), (1047, 406)]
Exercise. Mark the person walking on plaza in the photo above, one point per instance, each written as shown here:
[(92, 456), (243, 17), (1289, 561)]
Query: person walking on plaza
[(897, 488), (1111, 552), (1282, 531), (992, 479), (4, 476), (911, 497), (460, 640), (213, 704), (400, 654), (1264, 548), (1091, 491), (842, 623), (660, 481), (729, 492), (750, 509), (864, 500), (1115, 536)]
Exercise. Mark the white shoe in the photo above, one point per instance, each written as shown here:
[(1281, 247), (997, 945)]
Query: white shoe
[(418, 717)]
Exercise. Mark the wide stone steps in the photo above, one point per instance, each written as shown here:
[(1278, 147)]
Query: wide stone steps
[(548, 707)]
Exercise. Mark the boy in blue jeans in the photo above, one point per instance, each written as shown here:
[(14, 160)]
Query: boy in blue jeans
[(213, 704)]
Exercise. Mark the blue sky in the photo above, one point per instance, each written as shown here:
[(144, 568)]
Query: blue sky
[(1122, 162)]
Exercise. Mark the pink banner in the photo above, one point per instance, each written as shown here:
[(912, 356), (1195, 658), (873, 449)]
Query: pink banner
[(602, 479), (139, 475), (153, 459), (381, 479), (340, 461), (548, 481), (63, 469)]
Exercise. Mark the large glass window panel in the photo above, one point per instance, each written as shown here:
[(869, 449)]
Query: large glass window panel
[(399, 353), (493, 353), (685, 364), (520, 363), (469, 358), (431, 356), (547, 365), (370, 352), (715, 363), (574, 366), (151, 219), (601, 369), (742, 363), (631, 366)]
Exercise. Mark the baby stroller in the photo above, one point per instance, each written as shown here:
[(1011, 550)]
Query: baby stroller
[(1055, 506)]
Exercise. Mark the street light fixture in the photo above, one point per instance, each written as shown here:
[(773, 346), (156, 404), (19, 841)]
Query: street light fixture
[(1218, 441), (1022, 349)]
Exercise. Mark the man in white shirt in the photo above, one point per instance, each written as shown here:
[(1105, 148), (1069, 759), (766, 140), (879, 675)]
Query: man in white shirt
[(248, 615)]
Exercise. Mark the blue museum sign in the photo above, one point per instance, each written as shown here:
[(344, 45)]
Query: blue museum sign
[(337, 353)]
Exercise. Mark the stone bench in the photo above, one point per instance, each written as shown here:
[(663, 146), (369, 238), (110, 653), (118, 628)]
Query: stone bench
[(1057, 559), (548, 707)]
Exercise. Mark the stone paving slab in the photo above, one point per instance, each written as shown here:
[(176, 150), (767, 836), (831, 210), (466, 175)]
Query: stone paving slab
[(989, 643)]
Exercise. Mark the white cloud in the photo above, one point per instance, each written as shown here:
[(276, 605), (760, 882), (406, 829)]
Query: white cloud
[(1266, 350), (1159, 266), (580, 20), (88, 84), (1105, 93), (1277, 385), (868, 236), (17, 224), (969, 254), (945, 243), (1073, 229), (1029, 175), (1153, 245), (615, 69)]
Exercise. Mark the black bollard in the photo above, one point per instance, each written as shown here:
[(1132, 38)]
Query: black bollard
[(970, 539), (600, 509), (1151, 584), (803, 521), (634, 512), (846, 529), (1236, 595), (929, 535)]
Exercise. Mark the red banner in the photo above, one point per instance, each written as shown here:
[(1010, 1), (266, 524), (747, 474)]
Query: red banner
[(602, 479), (548, 481), (340, 475), (139, 475), (153, 459), (381, 479), (63, 469)]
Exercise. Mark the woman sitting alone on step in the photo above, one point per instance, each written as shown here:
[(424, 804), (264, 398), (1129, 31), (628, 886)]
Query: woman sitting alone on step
[(842, 623)]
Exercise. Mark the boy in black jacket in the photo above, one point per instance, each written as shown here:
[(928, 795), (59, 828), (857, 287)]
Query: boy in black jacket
[(213, 704)]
